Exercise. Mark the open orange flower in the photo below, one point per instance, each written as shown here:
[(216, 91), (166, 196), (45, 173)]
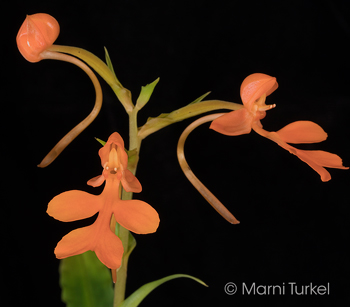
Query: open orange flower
[(135, 215), (35, 41), (254, 90)]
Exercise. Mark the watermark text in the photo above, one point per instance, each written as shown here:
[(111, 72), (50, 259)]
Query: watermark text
[(285, 288)]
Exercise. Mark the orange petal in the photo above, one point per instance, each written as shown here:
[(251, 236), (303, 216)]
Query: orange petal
[(130, 182), (74, 205), (76, 242), (302, 132), (136, 216), (233, 123), (109, 249), (255, 85), (96, 181)]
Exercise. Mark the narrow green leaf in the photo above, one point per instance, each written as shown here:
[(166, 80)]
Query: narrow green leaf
[(122, 93), (145, 95), (165, 115), (100, 141), (154, 124), (109, 62), (199, 99), (137, 297), (85, 281)]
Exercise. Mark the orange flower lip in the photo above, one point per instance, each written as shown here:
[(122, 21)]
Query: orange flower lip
[(37, 33)]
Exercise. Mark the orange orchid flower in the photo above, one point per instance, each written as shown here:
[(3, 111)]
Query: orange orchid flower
[(254, 90), (134, 215), (34, 40)]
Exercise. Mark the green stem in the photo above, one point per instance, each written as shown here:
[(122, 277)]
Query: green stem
[(120, 285), (134, 144)]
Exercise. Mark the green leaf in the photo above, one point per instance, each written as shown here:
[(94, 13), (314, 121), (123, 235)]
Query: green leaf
[(137, 297), (109, 62), (100, 141), (145, 95), (103, 70), (85, 281), (199, 99), (165, 115), (196, 107)]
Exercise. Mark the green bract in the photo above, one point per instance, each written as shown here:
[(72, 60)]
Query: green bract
[(102, 69), (145, 95), (137, 297)]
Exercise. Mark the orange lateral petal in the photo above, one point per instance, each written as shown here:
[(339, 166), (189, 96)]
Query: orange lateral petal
[(136, 216), (76, 242), (130, 183), (233, 123), (74, 205), (109, 249), (96, 181), (302, 132)]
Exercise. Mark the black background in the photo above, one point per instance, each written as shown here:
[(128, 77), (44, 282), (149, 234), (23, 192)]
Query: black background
[(294, 228)]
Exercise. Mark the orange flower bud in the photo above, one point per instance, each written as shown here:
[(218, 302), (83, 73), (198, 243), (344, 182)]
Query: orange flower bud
[(37, 33)]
